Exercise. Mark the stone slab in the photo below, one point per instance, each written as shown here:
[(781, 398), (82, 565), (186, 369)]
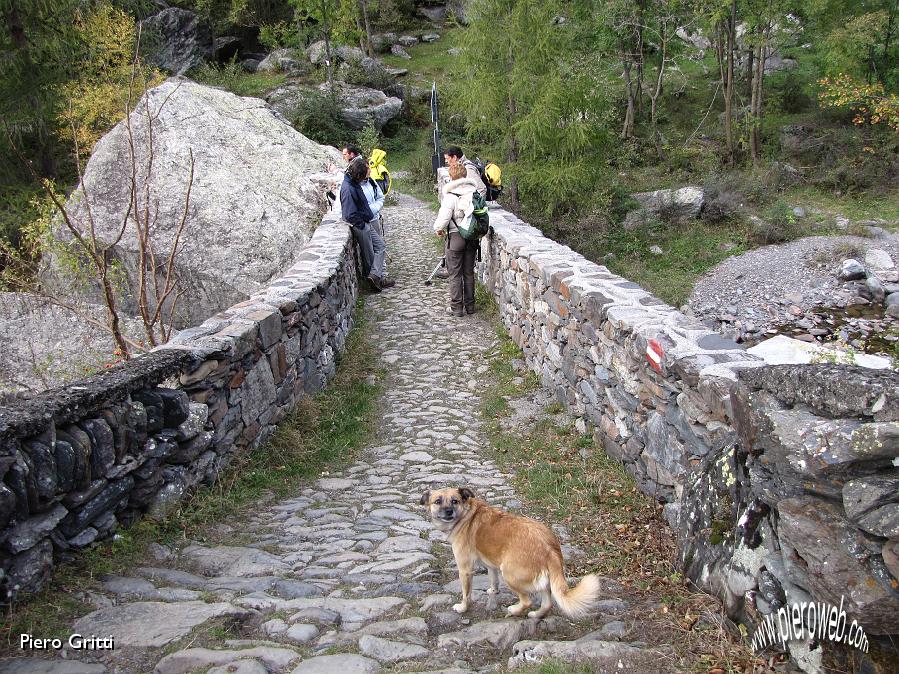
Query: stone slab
[(152, 624)]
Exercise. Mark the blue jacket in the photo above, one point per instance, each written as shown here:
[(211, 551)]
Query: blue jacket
[(353, 203)]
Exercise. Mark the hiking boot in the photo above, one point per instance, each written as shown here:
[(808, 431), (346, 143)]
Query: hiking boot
[(442, 273), (387, 283), (374, 282), (470, 310), (454, 312)]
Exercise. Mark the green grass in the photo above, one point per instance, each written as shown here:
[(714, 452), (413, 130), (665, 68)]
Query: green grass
[(430, 60), (855, 207), (235, 79), (322, 433), (688, 253)]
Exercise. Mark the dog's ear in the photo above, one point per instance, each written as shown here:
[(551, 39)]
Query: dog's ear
[(466, 493), (425, 497)]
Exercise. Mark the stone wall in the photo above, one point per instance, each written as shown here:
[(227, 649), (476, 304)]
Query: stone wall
[(77, 462), (755, 465)]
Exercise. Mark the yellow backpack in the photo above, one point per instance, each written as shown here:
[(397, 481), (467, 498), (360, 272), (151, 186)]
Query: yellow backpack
[(491, 174), (379, 173)]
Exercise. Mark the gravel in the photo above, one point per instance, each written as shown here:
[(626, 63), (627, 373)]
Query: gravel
[(746, 296)]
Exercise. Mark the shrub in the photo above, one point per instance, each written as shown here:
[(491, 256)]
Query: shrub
[(374, 77), (368, 138), (778, 226), (420, 172), (722, 204), (764, 184), (318, 117), (788, 91), (281, 34), (234, 78), (395, 14), (17, 206)]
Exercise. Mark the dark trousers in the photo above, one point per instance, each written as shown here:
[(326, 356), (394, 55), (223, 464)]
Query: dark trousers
[(460, 259)]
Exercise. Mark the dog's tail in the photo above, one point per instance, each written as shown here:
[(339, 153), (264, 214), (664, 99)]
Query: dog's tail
[(576, 602)]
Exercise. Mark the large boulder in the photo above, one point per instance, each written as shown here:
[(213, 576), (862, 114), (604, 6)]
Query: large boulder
[(254, 201), (177, 40), (359, 103), (697, 39), (45, 345), (367, 72), (835, 564), (457, 9), (669, 205), (382, 42), (283, 61), (317, 54)]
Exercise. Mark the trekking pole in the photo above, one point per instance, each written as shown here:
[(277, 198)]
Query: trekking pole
[(440, 264)]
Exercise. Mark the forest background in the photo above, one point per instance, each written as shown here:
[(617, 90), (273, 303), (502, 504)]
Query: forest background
[(581, 102)]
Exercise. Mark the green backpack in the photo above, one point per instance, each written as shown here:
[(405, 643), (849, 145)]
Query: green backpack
[(476, 223)]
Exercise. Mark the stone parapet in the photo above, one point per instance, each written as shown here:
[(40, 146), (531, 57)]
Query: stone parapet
[(738, 451), (78, 461)]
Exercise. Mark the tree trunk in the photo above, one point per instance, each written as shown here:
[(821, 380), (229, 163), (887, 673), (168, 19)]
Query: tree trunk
[(655, 95), (885, 61), (363, 5), (329, 62), (115, 327), (729, 88), (638, 85), (753, 107), (628, 130), (750, 72), (755, 132)]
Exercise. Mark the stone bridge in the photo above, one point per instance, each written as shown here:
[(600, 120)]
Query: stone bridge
[(779, 482)]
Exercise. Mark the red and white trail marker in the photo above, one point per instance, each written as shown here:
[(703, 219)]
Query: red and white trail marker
[(654, 354)]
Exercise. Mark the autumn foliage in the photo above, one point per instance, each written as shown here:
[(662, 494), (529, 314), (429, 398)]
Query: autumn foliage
[(871, 104)]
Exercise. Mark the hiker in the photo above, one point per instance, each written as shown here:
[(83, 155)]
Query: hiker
[(375, 198), (460, 254), (379, 171), (358, 196), (454, 155), (350, 152)]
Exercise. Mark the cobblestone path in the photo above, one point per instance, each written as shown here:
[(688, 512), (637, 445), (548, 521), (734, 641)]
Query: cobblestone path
[(348, 577)]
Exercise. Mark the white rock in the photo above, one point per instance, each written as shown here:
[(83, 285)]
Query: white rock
[(223, 256), (781, 350), (878, 259)]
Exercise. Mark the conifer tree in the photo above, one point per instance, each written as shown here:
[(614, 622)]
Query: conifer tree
[(530, 89)]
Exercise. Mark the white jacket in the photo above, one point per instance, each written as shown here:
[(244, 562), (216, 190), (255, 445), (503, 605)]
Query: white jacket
[(449, 205)]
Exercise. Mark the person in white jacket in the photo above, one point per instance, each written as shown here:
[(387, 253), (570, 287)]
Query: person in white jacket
[(460, 254)]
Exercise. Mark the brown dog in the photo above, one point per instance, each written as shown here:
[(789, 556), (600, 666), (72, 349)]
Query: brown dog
[(526, 553)]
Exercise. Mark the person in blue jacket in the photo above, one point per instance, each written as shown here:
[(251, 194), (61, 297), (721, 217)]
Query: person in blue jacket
[(360, 201)]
